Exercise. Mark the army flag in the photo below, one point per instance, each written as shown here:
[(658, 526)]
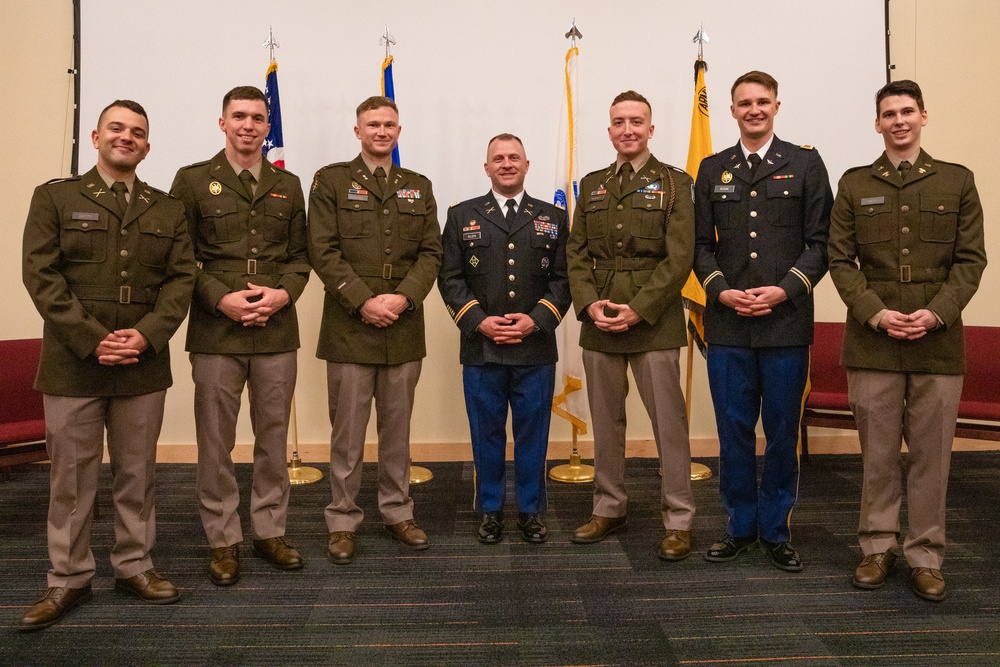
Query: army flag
[(570, 402), (699, 148), (388, 90), (274, 145)]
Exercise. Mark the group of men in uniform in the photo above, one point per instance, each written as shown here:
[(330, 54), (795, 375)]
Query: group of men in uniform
[(112, 265)]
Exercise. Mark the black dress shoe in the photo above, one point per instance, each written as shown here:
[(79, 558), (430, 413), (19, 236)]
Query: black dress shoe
[(531, 527), (782, 556), (728, 548), (491, 528), (53, 606)]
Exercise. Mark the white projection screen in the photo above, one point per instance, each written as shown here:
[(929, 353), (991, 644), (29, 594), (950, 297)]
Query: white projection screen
[(464, 72)]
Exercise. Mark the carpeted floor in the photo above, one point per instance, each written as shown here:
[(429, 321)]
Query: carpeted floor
[(463, 603)]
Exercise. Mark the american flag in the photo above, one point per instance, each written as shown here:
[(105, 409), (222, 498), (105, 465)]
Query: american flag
[(274, 145)]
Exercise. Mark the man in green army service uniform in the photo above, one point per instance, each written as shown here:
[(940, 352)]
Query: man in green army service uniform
[(906, 254), (375, 242), (108, 264), (248, 227), (629, 253)]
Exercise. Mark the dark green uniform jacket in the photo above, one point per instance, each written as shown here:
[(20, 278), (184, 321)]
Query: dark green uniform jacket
[(90, 272), (625, 247), (904, 246), (364, 242), (237, 241)]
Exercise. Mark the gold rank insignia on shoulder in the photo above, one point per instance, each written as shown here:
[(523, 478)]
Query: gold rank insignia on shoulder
[(807, 147), (726, 176), (215, 188)]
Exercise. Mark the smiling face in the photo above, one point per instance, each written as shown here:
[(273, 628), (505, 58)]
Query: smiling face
[(506, 166), (631, 128), (754, 108), (378, 129), (245, 125), (899, 122), (121, 140)]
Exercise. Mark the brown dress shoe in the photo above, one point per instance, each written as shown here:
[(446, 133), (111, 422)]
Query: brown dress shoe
[(224, 565), (872, 570), (676, 545), (928, 583), (409, 534), (279, 553), (598, 528), (341, 547), (149, 587), (53, 606)]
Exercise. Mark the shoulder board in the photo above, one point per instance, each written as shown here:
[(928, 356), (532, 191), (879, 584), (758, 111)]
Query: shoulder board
[(454, 205), (410, 172), (597, 172), (281, 169), (197, 164), (677, 169), (161, 192), (953, 164), (854, 169), (807, 147), (67, 179), (334, 166)]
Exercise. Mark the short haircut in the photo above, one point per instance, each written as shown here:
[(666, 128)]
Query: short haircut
[(901, 87), (134, 107), (376, 102), (245, 93), (758, 77), (632, 96), (504, 136)]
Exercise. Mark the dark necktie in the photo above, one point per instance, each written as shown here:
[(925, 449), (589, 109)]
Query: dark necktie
[(625, 175), (120, 191), (903, 169), (754, 161), (380, 177), (510, 213), (247, 179)]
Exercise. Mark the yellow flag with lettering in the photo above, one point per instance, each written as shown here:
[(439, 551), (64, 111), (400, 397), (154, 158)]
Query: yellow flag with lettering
[(700, 147)]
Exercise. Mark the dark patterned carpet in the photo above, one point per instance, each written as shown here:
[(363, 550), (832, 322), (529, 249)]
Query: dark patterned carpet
[(463, 603)]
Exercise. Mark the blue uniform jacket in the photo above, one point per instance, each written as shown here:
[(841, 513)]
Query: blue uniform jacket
[(490, 270), (767, 229)]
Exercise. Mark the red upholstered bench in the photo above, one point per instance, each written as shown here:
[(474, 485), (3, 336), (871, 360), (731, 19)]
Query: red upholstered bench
[(22, 416), (978, 411)]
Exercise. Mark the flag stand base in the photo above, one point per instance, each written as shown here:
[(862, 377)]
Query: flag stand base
[(420, 475), (700, 472), (574, 472), (299, 474)]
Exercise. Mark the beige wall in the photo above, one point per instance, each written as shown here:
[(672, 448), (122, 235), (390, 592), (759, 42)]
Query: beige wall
[(946, 46)]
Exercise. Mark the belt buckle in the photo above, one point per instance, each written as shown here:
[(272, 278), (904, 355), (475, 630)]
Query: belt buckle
[(124, 294), (387, 271), (251, 267), (904, 273), (618, 262)]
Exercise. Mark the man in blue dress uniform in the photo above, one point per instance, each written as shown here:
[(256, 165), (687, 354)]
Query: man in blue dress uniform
[(762, 211), (503, 279)]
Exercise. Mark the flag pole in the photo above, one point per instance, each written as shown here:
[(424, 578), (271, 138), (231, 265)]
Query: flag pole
[(694, 293), (298, 474), (574, 472), (418, 474)]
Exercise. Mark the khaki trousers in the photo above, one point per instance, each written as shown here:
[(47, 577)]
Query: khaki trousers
[(922, 409), (657, 377), (74, 439), (351, 390), (219, 380)]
